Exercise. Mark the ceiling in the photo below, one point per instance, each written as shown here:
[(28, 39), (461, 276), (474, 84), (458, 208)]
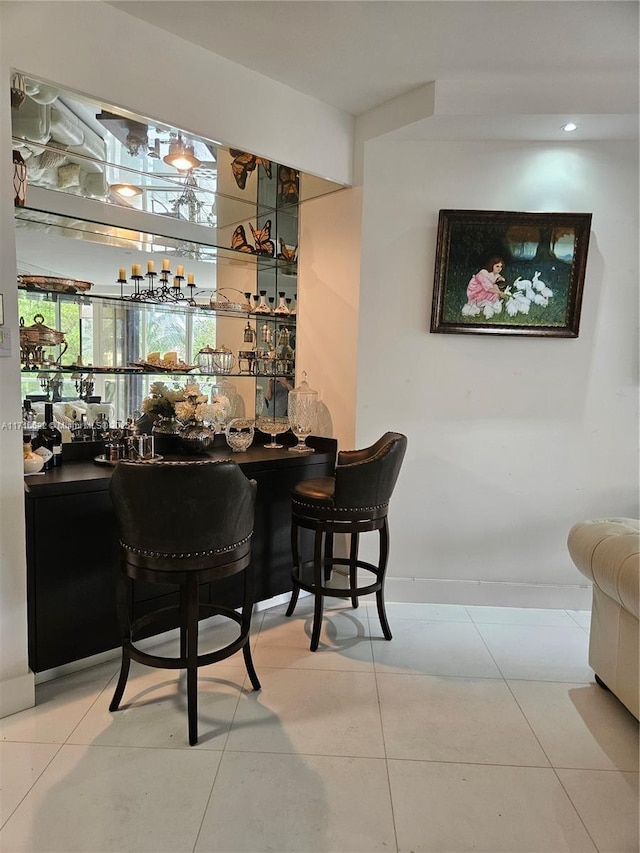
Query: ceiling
[(358, 54)]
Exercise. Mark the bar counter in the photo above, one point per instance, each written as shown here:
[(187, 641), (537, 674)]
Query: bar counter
[(73, 552)]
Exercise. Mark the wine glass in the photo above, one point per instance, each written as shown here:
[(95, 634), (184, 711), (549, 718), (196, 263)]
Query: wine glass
[(274, 427)]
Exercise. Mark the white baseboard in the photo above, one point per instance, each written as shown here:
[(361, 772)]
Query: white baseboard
[(17, 694), (488, 593)]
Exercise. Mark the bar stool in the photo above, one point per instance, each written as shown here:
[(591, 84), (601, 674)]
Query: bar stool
[(182, 523), (355, 500)]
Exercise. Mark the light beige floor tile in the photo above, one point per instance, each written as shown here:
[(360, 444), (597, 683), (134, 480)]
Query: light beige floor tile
[(344, 642), (319, 713), (541, 653), (433, 648), (20, 766), (103, 799), (454, 808), (579, 726), (298, 803), (520, 616), (455, 719), (60, 705), (607, 802), (415, 610), (153, 711), (306, 603)]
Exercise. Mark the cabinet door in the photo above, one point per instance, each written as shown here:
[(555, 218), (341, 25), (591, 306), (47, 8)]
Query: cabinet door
[(72, 562)]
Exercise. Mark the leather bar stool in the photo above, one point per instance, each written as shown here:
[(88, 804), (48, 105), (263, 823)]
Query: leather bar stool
[(183, 523), (355, 500)]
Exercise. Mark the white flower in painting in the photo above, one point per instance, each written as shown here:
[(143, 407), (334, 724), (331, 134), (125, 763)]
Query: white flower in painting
[(518, 304), (470, 310)]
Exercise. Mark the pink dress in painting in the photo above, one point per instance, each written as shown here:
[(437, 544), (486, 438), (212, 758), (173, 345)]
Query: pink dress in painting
[(483, 288)]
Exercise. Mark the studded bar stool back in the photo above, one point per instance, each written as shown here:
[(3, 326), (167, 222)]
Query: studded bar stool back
[(354, 501), (182, 523)]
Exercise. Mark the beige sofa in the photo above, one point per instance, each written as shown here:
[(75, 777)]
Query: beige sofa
[(607, 551)]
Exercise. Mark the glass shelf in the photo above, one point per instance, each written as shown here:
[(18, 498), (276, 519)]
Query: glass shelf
[(198, 244)]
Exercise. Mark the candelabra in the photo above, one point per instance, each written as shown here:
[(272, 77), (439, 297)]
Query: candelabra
[(160, 287)]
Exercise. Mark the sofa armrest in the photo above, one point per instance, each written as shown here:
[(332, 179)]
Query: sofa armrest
[(607, 550)]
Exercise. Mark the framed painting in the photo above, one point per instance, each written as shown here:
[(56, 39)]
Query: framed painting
[(504, 273)]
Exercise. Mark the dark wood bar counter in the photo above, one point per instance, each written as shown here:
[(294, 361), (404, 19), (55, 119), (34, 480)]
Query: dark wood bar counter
[(72, 547)]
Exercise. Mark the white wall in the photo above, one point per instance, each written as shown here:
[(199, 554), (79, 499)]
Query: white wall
[(329, 282), (511, 440), (100, 51)]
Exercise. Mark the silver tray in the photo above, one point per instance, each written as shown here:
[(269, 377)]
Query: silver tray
[(102, 460), (53, 283)]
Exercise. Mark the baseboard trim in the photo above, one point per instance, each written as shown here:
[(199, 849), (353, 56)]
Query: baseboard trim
[(488, 593), (17, 694)]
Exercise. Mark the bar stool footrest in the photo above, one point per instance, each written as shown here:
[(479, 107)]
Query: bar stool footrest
[(165, 619)]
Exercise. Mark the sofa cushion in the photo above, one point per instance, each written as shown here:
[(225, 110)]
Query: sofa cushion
[(607, 550)]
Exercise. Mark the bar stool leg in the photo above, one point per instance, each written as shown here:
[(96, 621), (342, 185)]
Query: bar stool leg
[(317, 582), (123, 605), (295, 592), (247, 607), (122, 681), (328, 555), (382, 568), (192, 606), (353, 566)]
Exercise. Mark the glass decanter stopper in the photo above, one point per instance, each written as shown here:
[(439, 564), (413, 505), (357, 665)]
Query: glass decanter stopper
[(282, 305)]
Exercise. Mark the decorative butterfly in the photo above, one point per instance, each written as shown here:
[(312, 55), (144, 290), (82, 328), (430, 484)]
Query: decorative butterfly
[(287, 254), (288, 185), (261, 237), (243, 164), (239, 241)]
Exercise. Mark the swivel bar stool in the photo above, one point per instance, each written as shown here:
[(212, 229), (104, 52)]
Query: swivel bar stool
[(355, 500), (183, 523)]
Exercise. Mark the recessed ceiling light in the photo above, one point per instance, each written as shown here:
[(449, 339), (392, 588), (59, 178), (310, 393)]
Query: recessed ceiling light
[(125, 190), (569, 127)]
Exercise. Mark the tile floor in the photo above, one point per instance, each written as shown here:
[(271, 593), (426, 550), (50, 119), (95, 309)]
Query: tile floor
[(476, 728)]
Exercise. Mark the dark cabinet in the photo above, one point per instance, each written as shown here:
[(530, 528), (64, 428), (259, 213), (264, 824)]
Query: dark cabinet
[(72, 549)]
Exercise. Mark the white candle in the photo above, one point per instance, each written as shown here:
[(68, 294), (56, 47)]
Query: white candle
[(180, 272), (135, 269), (190, 278), (122, 275), (176, 282), (150, 266), (165, 265)]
